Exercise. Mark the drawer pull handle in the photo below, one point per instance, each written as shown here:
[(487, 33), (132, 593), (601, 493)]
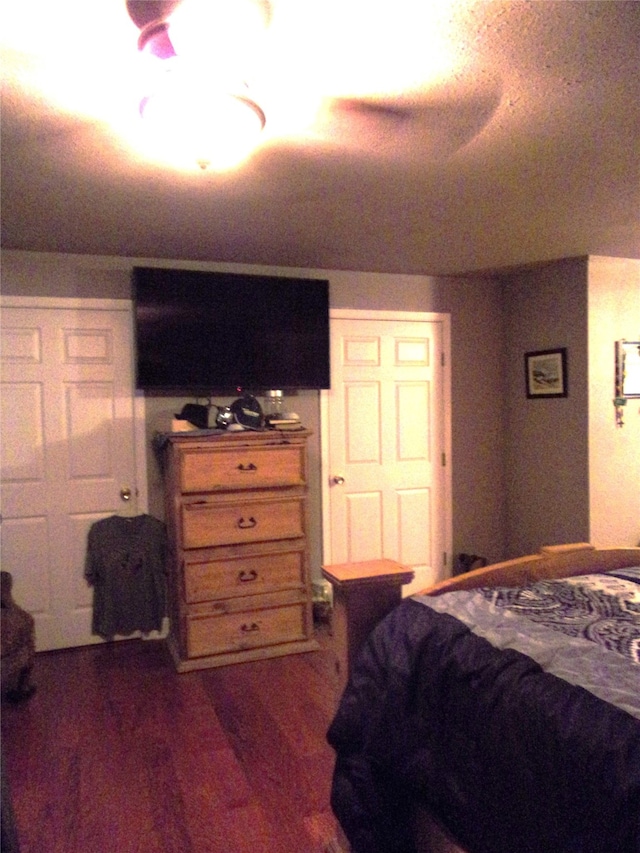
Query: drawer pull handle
[(249, 629), (247, 577), (247, 524), (249, 467)]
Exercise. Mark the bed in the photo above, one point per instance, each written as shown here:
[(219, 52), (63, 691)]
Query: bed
[(499, 712)]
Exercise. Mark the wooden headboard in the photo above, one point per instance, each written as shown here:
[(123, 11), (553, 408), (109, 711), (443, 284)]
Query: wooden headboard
[(553, 561)]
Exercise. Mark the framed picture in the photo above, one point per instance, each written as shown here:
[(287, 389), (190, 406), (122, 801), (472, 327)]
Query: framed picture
[(546, 373), (627, 368)]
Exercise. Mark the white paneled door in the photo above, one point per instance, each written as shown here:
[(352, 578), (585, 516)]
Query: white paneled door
[(386, 442), (68, 451)]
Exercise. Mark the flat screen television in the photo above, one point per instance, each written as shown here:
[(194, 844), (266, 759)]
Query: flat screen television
[(211, 332)]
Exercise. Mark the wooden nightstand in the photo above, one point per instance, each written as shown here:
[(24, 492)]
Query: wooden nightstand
[(363, 594)]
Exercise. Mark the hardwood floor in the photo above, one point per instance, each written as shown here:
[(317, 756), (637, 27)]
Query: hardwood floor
[(117, 753)]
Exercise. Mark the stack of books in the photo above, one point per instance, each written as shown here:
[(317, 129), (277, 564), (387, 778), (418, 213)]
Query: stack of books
[(286, 421)]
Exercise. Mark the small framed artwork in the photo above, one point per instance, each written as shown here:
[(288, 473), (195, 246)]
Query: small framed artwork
[(546, 373), (627, 368)]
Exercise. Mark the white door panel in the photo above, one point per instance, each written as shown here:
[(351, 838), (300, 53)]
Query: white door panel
[(22, 448), (68, 449), (386, 439)]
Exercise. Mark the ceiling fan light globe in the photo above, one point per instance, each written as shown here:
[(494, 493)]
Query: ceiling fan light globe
[(228, 131), (211, 127)]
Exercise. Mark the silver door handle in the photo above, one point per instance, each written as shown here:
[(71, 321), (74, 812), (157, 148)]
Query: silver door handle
[(339, 481)]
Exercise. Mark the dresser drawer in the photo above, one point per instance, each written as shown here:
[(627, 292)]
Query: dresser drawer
[(207, 578), (242, 604), (229, 469), (211, 635), (206, 524)]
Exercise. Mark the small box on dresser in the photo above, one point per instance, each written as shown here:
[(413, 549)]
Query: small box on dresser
[(239, 586)]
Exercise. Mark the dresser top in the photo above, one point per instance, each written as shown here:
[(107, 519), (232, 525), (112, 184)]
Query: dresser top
[(209, 437)]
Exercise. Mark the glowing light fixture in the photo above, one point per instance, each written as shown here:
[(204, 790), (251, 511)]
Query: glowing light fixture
[(197, 106), (214, 123)]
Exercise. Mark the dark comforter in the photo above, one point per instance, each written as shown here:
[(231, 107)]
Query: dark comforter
[(514, 716)]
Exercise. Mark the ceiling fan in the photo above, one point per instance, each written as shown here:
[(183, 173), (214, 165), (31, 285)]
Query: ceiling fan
[(323, 78), (434, 120)]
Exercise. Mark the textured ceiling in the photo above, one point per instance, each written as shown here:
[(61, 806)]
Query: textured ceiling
[(515, 138)]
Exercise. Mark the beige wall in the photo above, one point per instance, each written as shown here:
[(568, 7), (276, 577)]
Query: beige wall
[(475, 304), (614, 452), (525, 472), (546, 452), (570, 473)]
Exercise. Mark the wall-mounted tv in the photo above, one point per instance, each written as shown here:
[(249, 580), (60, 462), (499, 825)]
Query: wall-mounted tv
[(211, 332)]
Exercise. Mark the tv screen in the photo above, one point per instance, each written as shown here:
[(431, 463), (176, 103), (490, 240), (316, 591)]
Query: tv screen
[(210, 332)]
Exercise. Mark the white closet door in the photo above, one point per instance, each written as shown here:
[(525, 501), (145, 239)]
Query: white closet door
[(386, 443), (68, 452)]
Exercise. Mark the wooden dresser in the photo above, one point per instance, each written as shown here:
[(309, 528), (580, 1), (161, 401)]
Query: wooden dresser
[(239, 586)]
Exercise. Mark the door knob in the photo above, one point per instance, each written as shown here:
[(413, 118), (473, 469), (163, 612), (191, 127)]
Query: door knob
[(338, 480), (125, 493)]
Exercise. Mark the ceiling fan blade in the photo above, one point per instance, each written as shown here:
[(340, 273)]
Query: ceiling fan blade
[(386, 111), (436, 124)]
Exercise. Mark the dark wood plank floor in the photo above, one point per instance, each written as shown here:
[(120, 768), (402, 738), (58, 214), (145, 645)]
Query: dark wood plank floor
[(117, 753)]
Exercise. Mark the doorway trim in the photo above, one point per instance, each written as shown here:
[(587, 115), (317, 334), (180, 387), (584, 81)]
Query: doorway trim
[(325, 473)]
